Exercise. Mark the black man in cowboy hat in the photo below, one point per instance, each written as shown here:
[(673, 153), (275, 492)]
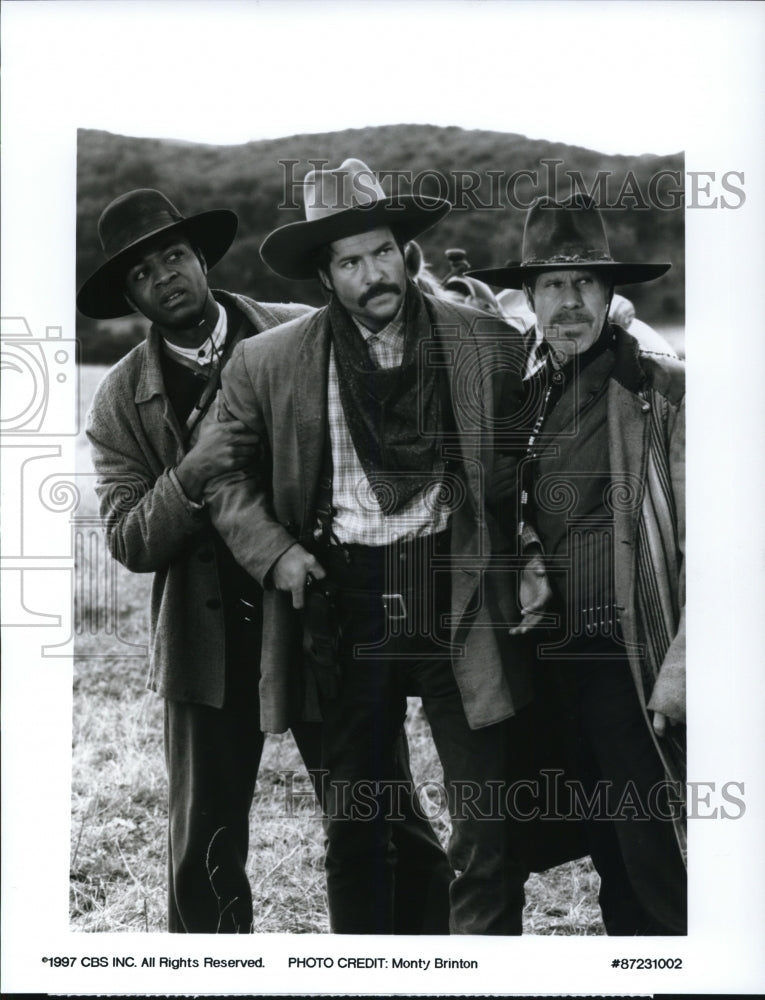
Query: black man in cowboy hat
[(603, 478), (153, 452), (377, 415)]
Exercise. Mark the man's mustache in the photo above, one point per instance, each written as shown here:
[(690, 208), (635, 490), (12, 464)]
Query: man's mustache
[(574, 316), (379, 289)]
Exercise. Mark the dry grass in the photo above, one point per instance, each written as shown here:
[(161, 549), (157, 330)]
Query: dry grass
[(118, 855)]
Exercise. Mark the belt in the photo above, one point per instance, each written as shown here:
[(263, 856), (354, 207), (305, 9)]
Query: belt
[(397, 573), (356, 561)]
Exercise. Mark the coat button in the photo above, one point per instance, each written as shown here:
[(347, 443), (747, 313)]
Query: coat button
[(213, 603), (646, 407)]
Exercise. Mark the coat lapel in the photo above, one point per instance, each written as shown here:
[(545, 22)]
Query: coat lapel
[(471, 421), (628, 428), (464, 370), (311, 411)]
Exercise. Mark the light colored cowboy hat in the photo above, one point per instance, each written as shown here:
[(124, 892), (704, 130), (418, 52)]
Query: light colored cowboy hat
[(128, 222), (340, 203), (568, 234)]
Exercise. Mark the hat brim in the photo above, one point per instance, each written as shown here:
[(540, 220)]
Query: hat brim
[(288, 250), (102, 295), (517, 275)]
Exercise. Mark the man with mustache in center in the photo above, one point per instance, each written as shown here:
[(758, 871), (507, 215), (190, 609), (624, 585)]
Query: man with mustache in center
[(377, 416), (155, 444)]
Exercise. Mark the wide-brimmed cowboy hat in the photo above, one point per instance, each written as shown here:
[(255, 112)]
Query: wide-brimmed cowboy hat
[(340, 203), (128, 222), (568, 234)]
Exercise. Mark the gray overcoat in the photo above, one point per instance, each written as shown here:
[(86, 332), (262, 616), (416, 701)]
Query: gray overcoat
[(646, 444), (151, 527), (277, 385)]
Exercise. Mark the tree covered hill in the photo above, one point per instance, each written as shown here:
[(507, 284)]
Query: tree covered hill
[(489, 176)]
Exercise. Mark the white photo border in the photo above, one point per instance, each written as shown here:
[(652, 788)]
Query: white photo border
[(657, 77)]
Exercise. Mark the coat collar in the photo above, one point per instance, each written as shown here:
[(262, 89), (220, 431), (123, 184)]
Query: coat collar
[(628, 370)]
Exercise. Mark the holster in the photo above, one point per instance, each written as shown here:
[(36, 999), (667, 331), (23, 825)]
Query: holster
[(321, 636)]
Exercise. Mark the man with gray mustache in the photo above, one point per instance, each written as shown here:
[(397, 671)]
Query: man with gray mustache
[(604, 480)]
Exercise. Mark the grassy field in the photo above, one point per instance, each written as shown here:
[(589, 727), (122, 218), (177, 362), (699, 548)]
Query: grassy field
[(119, 789)]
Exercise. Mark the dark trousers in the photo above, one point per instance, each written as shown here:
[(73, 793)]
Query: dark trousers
[(213, 756), (643, 878), (381, 659)]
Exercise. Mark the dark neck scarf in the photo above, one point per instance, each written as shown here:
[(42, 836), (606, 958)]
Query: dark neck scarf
[(558, 379), (393, 414), (579, 362)]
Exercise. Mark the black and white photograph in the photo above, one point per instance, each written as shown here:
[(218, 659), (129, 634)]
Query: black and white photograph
[(346, 593)]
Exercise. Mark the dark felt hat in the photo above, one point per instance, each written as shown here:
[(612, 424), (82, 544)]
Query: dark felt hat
[(131, 220), (340, 203), (568, 234)]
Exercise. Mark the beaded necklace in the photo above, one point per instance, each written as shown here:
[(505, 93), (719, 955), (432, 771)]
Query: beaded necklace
[(531, 454), (555, 382)]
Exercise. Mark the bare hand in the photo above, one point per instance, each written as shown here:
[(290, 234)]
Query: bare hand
[(535, 595), (660, 721), (220, 447), (291, 570)]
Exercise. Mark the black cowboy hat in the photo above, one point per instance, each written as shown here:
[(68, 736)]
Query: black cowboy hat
[(128, 222), (568, 234), (340, 203)]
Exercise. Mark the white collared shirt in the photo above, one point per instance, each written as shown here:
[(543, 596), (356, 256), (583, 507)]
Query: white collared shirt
[(212, 346)]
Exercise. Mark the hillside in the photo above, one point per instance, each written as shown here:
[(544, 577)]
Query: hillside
[(477, 170)]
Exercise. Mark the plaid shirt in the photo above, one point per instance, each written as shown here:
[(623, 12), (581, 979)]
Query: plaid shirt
[(358, 518)]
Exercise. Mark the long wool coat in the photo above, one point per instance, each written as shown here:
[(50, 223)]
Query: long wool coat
[(277, 384), (150, 525)]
